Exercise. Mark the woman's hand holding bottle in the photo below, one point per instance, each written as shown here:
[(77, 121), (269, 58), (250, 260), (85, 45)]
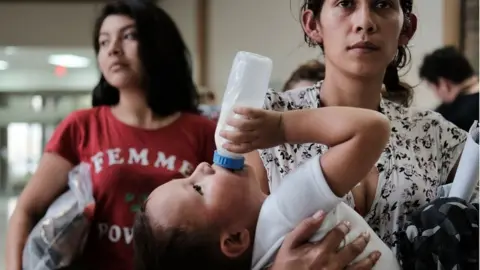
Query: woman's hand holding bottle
[(253, 129)]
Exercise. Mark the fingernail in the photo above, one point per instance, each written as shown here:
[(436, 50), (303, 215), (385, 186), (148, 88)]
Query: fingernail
[(319, 214), (366, 236), (377, 255), (345, 227)]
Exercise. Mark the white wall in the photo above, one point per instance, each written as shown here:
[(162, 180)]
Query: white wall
[(183, 13), (271, 28), (69, 24), (429, 37), (267, 27), (47, 24)]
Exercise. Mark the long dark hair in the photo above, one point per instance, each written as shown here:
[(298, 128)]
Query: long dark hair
[(396, 91), (165, 59)]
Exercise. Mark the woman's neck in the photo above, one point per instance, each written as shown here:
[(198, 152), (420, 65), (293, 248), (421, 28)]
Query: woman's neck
[(341, 90), (470, 86), (133, 110)]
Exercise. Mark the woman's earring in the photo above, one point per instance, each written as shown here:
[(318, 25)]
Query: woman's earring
[(406, 24), (405, 34)]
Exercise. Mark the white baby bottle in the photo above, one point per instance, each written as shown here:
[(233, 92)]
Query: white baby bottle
[(247, 86)]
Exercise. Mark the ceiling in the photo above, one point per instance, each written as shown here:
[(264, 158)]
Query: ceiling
[(52, 1), (29, 69)]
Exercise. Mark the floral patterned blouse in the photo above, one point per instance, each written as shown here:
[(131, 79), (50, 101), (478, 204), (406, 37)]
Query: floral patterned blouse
[(422, 150)]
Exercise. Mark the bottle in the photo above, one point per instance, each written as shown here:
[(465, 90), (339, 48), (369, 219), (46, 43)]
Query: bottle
[(247, 86), (343, 212)]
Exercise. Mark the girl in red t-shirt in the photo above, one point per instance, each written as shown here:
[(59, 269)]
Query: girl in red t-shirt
[(142, 131)]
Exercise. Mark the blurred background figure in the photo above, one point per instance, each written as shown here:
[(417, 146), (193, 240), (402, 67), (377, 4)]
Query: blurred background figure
[(306, 75), (454, 81), (208, 98), (209, 106)]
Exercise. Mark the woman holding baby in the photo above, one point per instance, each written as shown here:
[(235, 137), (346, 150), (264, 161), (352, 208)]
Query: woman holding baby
[(365, 43)]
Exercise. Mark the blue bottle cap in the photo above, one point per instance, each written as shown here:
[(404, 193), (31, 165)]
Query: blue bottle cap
[(228, 162)]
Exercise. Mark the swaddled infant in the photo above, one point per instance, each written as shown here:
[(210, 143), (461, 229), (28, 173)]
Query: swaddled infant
[(219, 219)]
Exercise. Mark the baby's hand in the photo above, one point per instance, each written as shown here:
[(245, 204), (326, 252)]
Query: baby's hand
[(255, 129)]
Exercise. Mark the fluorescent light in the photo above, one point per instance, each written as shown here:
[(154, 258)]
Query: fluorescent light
[(68, 61), (3, 65)]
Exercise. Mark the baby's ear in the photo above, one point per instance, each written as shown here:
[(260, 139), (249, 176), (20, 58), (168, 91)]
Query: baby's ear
[(235, 244)]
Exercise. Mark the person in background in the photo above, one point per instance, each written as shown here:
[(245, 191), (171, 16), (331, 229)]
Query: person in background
[(305, 75), (454, 81), (365, 44), (208, 105), (208, 98), (144, 129)]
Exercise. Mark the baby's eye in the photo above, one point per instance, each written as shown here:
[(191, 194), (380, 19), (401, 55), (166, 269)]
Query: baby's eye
[(198, 189)]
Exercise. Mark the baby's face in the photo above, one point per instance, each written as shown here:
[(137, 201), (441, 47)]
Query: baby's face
[(211, 195)]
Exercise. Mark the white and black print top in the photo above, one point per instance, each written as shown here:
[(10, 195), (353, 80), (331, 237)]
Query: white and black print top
[(422, 150)]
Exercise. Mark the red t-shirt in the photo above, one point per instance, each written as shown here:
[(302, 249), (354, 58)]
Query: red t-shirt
[(127, 164)]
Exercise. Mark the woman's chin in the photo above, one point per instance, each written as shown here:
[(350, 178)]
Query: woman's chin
[(122, 81), (366, 70)]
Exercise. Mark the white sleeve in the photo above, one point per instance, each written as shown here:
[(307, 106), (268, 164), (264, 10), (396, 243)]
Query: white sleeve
[(302, 193)]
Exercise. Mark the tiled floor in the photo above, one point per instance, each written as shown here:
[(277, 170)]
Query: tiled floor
[(7, 204)]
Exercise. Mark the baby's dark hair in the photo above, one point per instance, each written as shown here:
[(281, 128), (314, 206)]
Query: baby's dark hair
[(177, 248)]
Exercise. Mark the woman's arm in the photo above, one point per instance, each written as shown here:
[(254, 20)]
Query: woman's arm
[(253, 159), (48, 182), (356, 138)]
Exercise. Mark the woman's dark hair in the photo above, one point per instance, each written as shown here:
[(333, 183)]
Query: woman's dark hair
[(175, 248), (396, 91), (165, 59), (313, 71)]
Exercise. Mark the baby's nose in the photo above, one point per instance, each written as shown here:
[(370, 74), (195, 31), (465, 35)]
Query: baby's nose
[(206, 168)]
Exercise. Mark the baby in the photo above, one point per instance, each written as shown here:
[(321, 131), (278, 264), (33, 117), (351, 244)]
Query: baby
[(219, 219)]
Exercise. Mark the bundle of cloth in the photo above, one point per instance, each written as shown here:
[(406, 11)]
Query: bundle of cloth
[(444, 234), (59, 237), (440, 235)]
